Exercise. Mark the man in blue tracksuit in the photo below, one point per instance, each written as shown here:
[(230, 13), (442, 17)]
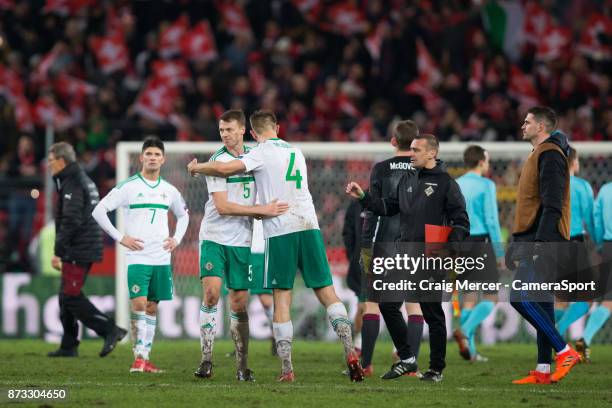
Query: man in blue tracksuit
[(582, 198), (602, 234), (542, 215), (481, 204)]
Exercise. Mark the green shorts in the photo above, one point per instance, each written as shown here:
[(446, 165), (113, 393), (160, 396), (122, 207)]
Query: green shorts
[(303, 250), (256, 275), (226, 262), (152, 281)]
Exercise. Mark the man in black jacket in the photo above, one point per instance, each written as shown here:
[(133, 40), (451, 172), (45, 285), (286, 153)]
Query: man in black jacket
[(378, 233), (78, 243), (428, 196)]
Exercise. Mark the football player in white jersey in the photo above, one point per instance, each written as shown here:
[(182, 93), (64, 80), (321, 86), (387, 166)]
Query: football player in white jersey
[(225, 246), (145, 199), (293, 239)]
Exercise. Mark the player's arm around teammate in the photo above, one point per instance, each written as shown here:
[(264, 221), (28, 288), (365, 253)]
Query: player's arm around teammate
[(225, 246)]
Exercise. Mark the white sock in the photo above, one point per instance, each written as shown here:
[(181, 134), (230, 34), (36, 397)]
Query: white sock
[(141, 333), (566, 348), (339, 320), (283, 335), (208, 330), (151, 323), (357, 340), (543, 368)]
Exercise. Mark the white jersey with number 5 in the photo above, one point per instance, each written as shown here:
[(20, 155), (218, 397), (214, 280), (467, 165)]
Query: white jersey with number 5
[(145, 205), (280, 173), (228, 230)]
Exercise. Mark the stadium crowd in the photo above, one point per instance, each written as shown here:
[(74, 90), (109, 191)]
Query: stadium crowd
[(104, 71)]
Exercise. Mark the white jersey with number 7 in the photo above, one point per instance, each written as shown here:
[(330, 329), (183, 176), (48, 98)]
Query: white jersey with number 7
[(280, 173)]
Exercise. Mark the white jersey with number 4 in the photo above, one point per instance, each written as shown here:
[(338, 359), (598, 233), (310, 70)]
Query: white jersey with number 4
[(280, 173), (228, 229), (145, 207)]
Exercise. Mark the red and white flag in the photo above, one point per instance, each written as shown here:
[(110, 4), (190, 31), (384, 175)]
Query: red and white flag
[(156, 100), (111, 53), (310, 9), (537, 22), (426, 66), (46, 111), (69, 87), (589, 42), (522, 88), (433, 102), (47, 62), (374, 40), (347, 106), (118, 19), (347, 19), (174, 72), (198, 44), (554, 44), (234, 18), (172, 36)]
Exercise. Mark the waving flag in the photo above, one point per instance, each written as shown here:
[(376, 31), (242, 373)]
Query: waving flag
[(111, 53), (198, 44), (172, 36), (156, 100)]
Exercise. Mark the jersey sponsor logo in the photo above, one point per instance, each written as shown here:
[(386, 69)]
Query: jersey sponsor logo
[(429, 191), (135, 289), (68, 196), (209, 266), (432, 184), (400, 166)]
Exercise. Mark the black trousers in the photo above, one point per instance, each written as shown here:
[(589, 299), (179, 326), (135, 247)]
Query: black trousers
[(75, 306), (435, 319)]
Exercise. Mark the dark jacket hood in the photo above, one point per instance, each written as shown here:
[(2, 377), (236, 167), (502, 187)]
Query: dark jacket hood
[(560, 139)]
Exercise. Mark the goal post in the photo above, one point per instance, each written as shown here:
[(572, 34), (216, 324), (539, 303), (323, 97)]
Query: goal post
[(330, 167)]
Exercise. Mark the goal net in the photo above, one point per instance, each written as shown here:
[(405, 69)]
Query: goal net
[(330, 167)]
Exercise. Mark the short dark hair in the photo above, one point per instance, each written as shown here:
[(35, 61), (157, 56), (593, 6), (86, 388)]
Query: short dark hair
[(262, 119), (432, 141), (404, 133), (234, 114), (63, 150), (153, 141), (573, 155), (473, 155), (546, 115)]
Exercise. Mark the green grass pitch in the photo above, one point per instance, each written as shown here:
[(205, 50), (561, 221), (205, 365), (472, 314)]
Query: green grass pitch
[(106, 382)]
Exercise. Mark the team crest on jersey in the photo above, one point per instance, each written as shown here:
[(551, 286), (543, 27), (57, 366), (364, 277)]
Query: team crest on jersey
[(209, 266), (163, 195), (135, 289), (429, 191), (140, 195)]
